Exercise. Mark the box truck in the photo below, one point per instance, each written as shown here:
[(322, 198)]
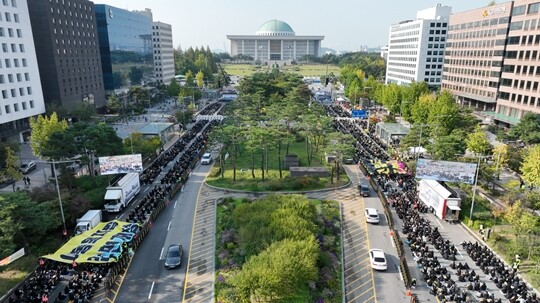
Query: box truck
[(88, 221), (120, 194)]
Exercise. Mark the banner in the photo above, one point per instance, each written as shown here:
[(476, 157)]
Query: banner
[(13, 257), (439, 170), (120, 164), (102, 244)]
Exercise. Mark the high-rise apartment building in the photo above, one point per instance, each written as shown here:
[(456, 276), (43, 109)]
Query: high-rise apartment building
[(416, 48), (125, 39), (65, 33), (163, 52), (20, 88), (474, 55), (518, 90)]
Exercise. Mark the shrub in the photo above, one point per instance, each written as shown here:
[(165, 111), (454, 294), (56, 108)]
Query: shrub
[(483, 215), (214, 172)]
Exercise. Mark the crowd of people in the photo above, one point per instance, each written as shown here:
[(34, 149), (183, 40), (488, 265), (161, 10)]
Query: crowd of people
[(82, 280), (447, 279)]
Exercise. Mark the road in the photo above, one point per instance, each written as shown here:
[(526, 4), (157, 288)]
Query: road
[(147, 280)]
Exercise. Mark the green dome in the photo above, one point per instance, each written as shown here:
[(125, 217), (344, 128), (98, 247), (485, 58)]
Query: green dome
[(275, 28)]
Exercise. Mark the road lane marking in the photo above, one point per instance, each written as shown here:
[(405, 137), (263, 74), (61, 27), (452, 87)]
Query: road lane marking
[(146, 189), (120, 218), (400, 274), (392, 242), (122, 280), (175, 202), (151, 289), (459, 253), (161, 253), (439, 223), (191, 241), (169, 227)]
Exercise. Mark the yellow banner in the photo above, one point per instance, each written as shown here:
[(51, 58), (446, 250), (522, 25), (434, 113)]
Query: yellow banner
[(102, 244)]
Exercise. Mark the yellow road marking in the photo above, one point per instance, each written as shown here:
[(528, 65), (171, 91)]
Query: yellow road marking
[(122, 280)]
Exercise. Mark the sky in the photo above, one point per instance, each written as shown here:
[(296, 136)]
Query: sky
[(346, 24)]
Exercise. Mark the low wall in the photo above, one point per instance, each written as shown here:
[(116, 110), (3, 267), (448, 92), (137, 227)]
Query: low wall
[(309, 171)]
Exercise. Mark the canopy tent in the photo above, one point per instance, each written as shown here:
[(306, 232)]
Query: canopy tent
[(102, 244)]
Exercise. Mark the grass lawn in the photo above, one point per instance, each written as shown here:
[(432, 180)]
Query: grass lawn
[(272, 182), (304, 70)]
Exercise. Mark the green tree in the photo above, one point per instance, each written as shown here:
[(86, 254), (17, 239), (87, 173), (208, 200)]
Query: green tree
[(447, 147), (13, 145), (146, 147), (11, 170), (83, 111), (60, 145), (42, 127), (184, 116), (135, 75), (421, 108), (500, 155), (173, 89), (340, 146), (113, 103), (527, 130), (281, 271), (530, 168), (8, 227), (444, 114), (477, 142), (199, 79)]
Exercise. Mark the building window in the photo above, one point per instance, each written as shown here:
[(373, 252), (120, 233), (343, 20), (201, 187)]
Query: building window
[(533, 8), (29, 91), (23, 105), (16, 18), (31, 103), (7, 109), (16, 107), (518, 10)]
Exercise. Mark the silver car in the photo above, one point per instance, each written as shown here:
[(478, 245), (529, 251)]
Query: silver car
[(27, 167), (174, 256)]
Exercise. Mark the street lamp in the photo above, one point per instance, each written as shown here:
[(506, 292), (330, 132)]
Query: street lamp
[(480, 157), (57, 186)]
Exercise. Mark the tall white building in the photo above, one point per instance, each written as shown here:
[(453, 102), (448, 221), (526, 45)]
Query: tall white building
[(21, 96), (416, 47), (163, 52)]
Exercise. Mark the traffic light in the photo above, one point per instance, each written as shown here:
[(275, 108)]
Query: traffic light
[(327, 80)]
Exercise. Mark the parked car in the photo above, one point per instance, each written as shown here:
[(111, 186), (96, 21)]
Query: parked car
[(372, 216), (377, 259), (174, 256), (206, 159), (27, 167)]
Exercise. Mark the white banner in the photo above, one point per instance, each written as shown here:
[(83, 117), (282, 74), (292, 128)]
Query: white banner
[(13, 257), (446, 171), (120, 164)]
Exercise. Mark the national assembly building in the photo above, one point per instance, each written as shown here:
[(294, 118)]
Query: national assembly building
[(275, 41)]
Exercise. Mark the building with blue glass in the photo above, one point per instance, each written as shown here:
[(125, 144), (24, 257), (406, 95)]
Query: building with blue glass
[(125, 40)]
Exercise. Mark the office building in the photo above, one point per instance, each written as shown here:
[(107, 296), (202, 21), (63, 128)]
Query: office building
[(474, 55), (20, 86), (125, 39), (275, 42), (518, 89), (416, 48), (163, 52), (69, 60)]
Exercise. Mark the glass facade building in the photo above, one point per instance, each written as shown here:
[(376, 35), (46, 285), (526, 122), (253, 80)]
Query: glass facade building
[(125, 39)]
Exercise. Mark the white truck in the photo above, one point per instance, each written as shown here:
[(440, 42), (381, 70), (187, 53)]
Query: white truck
[(119, 195), (88, 221)]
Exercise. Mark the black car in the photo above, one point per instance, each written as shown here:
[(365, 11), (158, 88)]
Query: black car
[(174, 256), (364, 191)]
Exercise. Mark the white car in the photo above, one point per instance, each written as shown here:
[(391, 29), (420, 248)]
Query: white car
[(377, 259), (206, 159), (372, 216), (27, 167)]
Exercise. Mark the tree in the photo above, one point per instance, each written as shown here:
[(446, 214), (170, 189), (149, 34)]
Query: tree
[(500, 154), (8, 227), (173, 89), (42, 127), (421, 108), (199, 79), (444, 114), (340, 146), (279, 272), (447, 147), (83, 111), (530, 168), (135, 75), (477, 142), (527, 130), (11, 170), (184, 116), (113, 103), (60, 145), (13, 145)]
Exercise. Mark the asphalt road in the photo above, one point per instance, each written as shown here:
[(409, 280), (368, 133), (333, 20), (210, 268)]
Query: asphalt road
[(147, 280)]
